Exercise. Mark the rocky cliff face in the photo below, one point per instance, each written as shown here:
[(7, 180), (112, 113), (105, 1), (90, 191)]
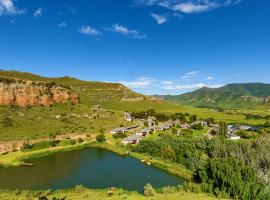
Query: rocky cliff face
[(28, 93)]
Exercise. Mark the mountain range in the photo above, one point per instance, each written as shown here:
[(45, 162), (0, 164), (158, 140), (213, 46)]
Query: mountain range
[(237, 95)]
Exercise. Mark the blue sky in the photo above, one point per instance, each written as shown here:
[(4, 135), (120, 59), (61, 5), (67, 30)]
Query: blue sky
[(152, 46)]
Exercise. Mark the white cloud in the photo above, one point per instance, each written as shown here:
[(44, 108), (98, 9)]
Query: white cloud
[(142, 82), (7, 7), (62, 25), (190, 75), (167, 82), (152, 85), (38, 13), (209, 78), (160, 19), (118, 28), (189, 87), (189, 6), (90, 31)]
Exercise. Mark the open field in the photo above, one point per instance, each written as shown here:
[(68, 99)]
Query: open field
[(83, 193)]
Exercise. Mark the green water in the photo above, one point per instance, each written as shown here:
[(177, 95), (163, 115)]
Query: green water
[(94, 168)]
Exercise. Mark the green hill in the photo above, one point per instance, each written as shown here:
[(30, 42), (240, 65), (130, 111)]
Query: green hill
[(242, 95)]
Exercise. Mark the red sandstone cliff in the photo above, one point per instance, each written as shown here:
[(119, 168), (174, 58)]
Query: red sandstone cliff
[(28, 93)]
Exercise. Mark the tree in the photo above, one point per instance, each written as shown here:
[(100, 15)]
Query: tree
[(149, 190), (26, 145), (193, 118), (6, 122), (223, 129), (100, 138), (210, 120), (174, 131), (52, 138), (168, 153)]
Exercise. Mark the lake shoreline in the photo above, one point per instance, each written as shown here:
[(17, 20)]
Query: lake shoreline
[(16, 159)]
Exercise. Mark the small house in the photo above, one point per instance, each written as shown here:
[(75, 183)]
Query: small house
[(119, 130), (132, 139)]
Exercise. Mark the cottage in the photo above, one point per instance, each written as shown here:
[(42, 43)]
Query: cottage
[(119, 130), (128, 117), (151, 121), (231, 128), (185, 126), (132, 139)]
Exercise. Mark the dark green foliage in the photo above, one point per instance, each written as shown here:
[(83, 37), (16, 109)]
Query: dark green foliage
[(197, 127), (193, 118), (100, 138), (222, 130), (247, 134), (210, 120), (174, 131), (232, 177), (6, 122), (26, 145), (186, 151), (119, 135)]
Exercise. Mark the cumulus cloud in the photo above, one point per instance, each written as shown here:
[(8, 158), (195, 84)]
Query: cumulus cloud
[(142, 82), (7, 7), (149, 85), (209, 78), (90, 31), (189, 87), (62, 25), (38, 13), (118, 28), (190, 75), (160, 19), (189, 6)]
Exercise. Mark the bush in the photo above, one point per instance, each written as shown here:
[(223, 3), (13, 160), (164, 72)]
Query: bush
[(230, 176), (80, 140), (6, 122), (197, 127), (149, 191), (100, 138), (26, 145), (119, 135)]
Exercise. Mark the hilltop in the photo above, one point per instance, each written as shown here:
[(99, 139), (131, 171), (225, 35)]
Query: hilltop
[(240, 95)]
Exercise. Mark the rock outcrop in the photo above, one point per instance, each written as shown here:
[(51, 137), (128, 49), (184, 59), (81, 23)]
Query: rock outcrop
[(29, 93)]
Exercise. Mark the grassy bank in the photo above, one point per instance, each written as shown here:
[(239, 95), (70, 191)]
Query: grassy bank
[(89, 194), (175, 169), (17, 158)]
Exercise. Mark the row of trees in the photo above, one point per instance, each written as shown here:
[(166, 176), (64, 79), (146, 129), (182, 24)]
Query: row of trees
[(240, 170)]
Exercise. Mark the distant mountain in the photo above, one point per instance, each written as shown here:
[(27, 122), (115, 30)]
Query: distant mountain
[(230, 96)]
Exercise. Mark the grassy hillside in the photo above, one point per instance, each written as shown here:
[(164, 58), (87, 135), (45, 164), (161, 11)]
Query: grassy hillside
[(37, 122), (243, 95)]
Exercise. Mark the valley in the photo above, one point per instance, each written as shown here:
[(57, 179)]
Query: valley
[(186, 142)]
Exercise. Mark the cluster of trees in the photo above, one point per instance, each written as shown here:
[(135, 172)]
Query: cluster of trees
[(239, 170), (256, 116)]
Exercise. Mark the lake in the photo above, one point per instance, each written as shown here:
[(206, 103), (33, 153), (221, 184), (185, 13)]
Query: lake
[(91, 167)]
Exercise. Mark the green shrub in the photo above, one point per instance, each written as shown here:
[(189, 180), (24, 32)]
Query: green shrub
[(149, 190), (100, 138)]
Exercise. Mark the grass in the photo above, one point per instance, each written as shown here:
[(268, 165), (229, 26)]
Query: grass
[(38, 122), (80, 193)]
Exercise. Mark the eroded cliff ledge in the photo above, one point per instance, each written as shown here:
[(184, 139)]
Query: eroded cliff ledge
[(29, 93)]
